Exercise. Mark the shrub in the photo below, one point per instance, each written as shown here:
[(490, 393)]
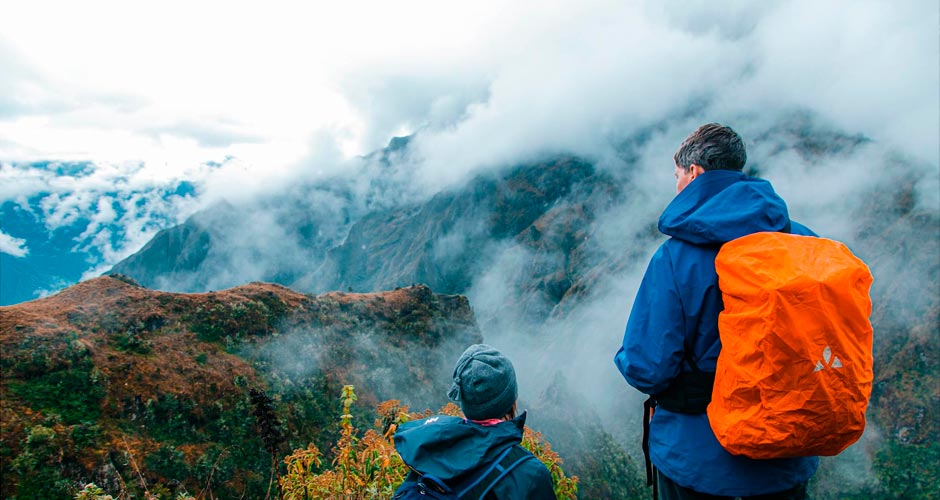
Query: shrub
[(368, 467), (38, 466), (72, 393), (220, 321), (168, 462)]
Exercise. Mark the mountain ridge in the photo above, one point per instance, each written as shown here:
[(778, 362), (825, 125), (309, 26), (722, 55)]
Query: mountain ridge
[(107, 372)]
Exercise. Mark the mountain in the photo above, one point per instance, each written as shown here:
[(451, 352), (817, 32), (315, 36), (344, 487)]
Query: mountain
[(106, 377), (274, 238), (543, 209)]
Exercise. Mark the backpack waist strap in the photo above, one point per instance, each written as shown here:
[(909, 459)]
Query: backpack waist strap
[(689, 393)]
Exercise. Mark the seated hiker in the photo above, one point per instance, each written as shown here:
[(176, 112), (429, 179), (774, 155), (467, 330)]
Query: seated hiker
[(477, 457)]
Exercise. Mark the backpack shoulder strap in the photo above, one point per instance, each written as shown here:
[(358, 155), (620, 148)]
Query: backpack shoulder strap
[(479, 485)]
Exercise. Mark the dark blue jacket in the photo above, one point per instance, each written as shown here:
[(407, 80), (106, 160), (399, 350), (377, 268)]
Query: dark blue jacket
[(449, 447), (677, 307)]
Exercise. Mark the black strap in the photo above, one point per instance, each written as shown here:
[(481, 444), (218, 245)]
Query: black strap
[(481, 486), (477, 484), (688, 359), (648, 406), (690, 392)]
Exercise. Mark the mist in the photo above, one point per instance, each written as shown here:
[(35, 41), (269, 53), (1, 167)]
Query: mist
[(837, 102)]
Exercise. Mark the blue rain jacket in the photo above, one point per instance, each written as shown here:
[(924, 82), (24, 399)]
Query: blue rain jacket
[(449, 447), (677, 307)]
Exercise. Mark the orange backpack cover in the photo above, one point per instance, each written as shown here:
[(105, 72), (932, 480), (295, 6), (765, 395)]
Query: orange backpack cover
[(795, 370)]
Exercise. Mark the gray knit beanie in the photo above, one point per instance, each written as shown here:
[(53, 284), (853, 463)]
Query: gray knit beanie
[(484, 383)]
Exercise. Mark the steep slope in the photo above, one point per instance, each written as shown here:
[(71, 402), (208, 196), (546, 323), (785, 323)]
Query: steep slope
[(277, 237), (174, 251), (445, 242), (273, 240), (899, 457), (448, 241), (107, 377), (901, 244)]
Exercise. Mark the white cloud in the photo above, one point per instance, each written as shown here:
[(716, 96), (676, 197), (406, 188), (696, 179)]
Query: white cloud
[(579, 79), (13, 246), (867, 66), (114, 208), (176, 85)]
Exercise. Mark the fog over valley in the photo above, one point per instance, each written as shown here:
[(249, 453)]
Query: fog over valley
[(519, 157)]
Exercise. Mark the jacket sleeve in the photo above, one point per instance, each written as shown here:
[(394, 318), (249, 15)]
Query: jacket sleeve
[(651, 354)]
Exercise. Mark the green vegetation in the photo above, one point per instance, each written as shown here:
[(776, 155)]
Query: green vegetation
[(901, 471), (222, 320), (131, 342), (168, 462), (413, 323), (39, 464), (56, 375), (364, 465), (909, 470), (72, 394)]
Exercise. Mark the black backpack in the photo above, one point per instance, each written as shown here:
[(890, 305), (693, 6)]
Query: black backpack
[(473, 486)]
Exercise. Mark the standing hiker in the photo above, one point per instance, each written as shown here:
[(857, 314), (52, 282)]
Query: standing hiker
[(671, 343), (477, 457)]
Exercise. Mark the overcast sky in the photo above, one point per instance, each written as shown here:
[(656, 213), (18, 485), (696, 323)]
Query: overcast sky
[(178, 83), (154, 92)]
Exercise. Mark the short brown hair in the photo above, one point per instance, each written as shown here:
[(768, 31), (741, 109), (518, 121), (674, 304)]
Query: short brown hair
[(712, 147)]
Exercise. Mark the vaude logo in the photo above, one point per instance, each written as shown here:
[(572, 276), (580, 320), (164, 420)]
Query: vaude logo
[(831, 361)]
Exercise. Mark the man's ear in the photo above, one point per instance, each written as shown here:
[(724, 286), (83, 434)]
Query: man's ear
[(696, 170)]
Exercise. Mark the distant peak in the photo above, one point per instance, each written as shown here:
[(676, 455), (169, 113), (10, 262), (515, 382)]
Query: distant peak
[(399, 143)]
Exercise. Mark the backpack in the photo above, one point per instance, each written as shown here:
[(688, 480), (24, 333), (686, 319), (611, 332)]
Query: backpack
[(794, 374), (473, 486)]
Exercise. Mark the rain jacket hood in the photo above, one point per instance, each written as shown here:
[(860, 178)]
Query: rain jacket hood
[(722, 205), (451, 447), (447, 447)]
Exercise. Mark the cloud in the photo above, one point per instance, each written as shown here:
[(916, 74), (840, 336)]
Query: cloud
[(13, 246), (553, 91), (25, 90), (868, 66), (211, 132), (485, 84), (282, 99), (109, 210), (580, 79)]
